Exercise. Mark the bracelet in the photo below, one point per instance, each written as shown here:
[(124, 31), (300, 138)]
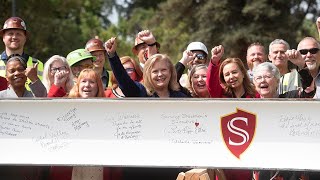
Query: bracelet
[(152, 44)]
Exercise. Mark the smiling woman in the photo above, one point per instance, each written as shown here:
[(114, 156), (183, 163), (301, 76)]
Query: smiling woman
[(266, 77), (88, 85), (228, 78), (16, 75), (197, 81), (159, 76)]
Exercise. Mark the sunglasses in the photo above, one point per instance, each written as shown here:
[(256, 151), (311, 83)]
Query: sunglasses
[(305, 51), (200, 56)]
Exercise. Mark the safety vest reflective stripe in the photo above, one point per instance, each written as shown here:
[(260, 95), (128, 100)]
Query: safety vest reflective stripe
[(2, 68), (29, 64), (32, 61), (289, 82)]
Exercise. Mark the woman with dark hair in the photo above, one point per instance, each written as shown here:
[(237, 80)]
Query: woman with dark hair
[(228, 78), (16, 75)]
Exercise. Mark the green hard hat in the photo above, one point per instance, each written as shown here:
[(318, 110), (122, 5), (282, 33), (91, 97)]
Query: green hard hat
[(79, 55)]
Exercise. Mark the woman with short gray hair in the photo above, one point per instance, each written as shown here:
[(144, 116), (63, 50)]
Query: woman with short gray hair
[(266, 77)]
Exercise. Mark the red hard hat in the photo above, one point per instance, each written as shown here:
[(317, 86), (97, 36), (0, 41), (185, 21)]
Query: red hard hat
[(13, 23), (94, 45)]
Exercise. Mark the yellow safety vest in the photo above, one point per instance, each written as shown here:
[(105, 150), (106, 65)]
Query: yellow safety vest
[(290, 81), (31, 61)]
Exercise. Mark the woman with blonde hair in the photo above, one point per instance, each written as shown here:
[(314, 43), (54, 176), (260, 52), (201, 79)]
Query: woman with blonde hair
[(89, 84), (134, 71), (159, 76), (57, 76)]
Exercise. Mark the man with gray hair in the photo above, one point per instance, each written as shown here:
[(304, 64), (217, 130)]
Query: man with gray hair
[(290, 79)]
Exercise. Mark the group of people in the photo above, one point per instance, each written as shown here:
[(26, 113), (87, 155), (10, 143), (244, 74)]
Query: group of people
[(288, 73)]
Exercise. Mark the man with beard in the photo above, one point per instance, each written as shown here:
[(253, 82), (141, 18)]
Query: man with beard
[(308, 55)]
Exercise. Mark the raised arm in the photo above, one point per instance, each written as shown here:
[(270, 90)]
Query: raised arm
[(147, 37), (296, 58), (36, 86), (129, 87), (187, 57), (213, 82)]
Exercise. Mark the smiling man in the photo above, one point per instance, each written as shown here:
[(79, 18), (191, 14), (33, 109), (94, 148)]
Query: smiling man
[(14, 35), (309, 47), (96, 48), (255, 56), (290, 78)]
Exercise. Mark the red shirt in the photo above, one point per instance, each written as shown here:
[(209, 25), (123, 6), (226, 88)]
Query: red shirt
[(3, 83)]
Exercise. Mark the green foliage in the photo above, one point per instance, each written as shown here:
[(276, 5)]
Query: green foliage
[(60, 26), (234, 24)]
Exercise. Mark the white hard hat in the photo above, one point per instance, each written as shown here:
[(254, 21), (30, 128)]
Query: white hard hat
[(197, 46)]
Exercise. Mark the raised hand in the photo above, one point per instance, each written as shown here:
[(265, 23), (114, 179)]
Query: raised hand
[(60, 78), (32, 73), (147, 36), (187, 57), (111, 46), (216, 54), (295, 57)]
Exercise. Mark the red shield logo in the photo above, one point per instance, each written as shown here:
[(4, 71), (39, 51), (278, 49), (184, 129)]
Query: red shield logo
[(238, 131)]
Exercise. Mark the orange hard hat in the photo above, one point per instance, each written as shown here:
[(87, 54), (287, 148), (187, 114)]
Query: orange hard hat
[(94, 45), (13, 23), (137, 42)]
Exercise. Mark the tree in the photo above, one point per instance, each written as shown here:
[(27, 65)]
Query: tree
[(58, 26), (234, 24)]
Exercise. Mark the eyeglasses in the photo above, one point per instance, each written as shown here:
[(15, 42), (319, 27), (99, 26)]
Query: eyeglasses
[(260, 78), (130, 70), (55, 69), (200, 56), (312, 51)]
